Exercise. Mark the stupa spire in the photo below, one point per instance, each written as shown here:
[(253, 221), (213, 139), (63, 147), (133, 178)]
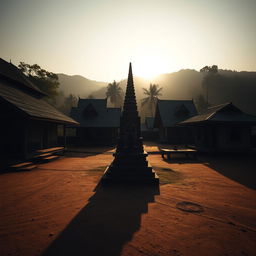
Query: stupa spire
[(130, 105)]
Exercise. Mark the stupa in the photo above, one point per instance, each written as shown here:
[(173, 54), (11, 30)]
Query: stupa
[(130, 163)]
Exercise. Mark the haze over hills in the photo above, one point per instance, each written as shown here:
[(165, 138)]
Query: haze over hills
[(181, 84), (78, 85), (227, 86)]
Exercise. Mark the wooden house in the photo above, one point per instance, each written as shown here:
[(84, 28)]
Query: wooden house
[(28, 122), (98, 123), (168, 114), (222, 128)]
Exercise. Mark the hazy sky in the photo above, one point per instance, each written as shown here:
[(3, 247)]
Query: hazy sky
[(98, 38)]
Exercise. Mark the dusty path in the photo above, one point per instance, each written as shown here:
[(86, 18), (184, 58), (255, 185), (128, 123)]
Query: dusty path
[(54, 209)]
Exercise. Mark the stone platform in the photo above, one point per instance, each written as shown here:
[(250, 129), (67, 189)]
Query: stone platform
[(130, 168), (130, 177)]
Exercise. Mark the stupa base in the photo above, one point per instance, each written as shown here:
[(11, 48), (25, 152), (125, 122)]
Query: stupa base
[(113, 176)]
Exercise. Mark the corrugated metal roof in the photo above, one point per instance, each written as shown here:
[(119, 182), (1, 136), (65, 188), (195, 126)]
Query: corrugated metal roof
[(34, 107), (10, 71), (169, 111), (101, 116), (226, 112)]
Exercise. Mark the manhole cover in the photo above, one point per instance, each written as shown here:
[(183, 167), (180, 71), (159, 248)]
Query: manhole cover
[(189, 207)]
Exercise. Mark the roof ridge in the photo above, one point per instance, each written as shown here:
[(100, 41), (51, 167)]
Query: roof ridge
[(210, 116)]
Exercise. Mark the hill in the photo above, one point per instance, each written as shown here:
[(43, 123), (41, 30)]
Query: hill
[(78, 85)]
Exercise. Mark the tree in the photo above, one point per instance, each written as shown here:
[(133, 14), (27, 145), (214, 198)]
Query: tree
[(152, 95), (115, 93), (210, 69), (46, 81), (209, 75)]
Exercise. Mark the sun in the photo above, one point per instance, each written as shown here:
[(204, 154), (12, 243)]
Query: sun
[(148, 67), (148, 71)]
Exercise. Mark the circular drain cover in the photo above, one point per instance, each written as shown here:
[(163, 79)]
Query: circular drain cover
[(189, 207)]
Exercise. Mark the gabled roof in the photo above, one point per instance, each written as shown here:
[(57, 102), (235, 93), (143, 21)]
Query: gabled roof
[(11, 72), (94, 113), (226, 112), (32, 107), (171, 112)]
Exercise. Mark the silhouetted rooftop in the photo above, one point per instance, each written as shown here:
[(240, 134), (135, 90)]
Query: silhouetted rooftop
[(11, 72), (16, 89), (171, 112), (33, 107), (226, 112), (94, 113)]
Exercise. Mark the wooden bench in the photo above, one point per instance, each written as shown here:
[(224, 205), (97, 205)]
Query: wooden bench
[(186, 151)]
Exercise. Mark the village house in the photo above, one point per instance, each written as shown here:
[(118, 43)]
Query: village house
[(28, 122), (98, 123), (168, 114), (222, 128)]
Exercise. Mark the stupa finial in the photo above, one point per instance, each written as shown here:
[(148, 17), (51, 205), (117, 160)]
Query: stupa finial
[(130, 105)]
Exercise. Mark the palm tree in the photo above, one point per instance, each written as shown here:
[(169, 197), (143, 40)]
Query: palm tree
[(152, 95), (115, 93)]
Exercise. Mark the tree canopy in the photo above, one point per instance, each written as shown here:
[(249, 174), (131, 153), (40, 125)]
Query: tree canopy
[(46, 81), (210, 69)]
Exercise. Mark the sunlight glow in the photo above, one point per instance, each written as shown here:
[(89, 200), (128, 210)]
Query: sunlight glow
[(99, 38), (148, 67)]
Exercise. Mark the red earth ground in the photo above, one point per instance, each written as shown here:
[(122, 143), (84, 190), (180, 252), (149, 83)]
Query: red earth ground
[(203, 207)]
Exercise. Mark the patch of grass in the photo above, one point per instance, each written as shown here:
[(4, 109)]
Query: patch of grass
[(168, 176)]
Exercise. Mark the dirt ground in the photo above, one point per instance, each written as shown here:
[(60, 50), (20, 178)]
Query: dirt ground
[(202, 207)]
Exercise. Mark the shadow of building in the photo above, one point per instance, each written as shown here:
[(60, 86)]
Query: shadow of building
[(106, 223), (239, 168)]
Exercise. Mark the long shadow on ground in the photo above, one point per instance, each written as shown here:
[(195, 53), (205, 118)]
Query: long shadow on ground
[(239, 168), (106, 223)]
